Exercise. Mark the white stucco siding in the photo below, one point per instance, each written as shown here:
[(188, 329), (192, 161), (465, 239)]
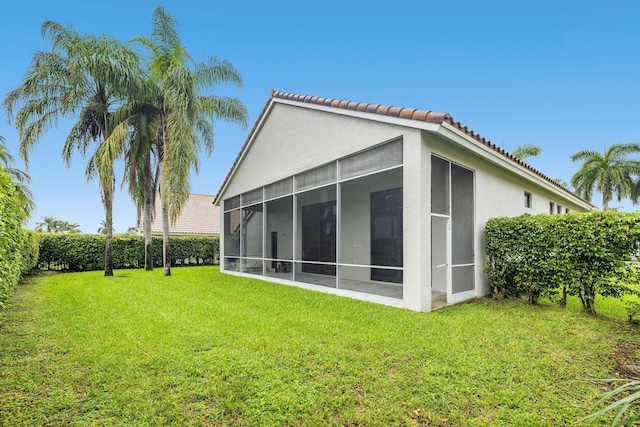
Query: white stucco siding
[(292, 140), (498, 192), (417, 223)]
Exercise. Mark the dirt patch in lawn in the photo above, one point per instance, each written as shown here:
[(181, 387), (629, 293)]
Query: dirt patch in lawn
[(628, 364)]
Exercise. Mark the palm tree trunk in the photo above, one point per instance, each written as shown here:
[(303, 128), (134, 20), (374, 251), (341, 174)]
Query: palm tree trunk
[(107, 196), (166, 259), (107, 192), (148, 199), (148, 248)]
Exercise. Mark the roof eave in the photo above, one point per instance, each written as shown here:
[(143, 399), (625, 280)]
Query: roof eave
[(496, 155)]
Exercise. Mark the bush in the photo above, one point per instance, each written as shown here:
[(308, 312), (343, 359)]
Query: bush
[(12, 237), (30, 250), (577, 254), (84, 252)]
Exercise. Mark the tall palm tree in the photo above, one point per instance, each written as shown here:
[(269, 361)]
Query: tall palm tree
[(178, 117), (612, 173), (524, 151), (83, 76), (135, 135), (20, 179)]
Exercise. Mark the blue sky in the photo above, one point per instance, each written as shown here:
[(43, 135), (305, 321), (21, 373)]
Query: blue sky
[(563, 75)]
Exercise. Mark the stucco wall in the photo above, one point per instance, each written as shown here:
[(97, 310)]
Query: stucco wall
[(497, 193), (293, 140)]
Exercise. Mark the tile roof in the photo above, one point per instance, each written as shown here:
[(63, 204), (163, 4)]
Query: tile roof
[(199, 216), (404, 113)]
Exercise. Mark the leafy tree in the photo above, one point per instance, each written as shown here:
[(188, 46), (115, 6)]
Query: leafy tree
[(611, 173), (82, 76), (524, 151), (177, 118), (132, 230), (20, 179)]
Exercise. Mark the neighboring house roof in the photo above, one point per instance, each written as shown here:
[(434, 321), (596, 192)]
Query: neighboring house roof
[(199, 216), (427, 116)]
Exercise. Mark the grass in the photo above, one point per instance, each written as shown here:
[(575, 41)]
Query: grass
[(202, 348)]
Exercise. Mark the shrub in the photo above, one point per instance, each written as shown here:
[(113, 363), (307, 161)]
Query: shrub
[(84, 252), (576, 254), (30, 250), (12, 236), (623, 401)]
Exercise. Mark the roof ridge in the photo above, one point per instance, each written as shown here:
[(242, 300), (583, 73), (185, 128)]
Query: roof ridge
[(509, 156), (385, 110), (400, 112)]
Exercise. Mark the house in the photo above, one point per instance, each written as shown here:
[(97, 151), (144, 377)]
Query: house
[(379, 203), (199, 217)]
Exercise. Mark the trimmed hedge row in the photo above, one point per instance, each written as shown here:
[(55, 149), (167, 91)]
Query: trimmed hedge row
[(18, 247), (584, 255), (85, 252)]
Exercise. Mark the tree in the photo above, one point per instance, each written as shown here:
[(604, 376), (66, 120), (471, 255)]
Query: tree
[(524, 151), (103, 228), (178, 117), (612, 173), (51, 224), (83, 76), (20, 180), (67, 227)]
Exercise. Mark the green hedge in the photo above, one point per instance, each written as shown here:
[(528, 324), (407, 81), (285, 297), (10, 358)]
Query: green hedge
[(84, 252), (584, 255), (14, 241)]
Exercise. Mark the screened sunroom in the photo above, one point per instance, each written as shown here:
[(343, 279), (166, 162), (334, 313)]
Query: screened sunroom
[(338, 226)]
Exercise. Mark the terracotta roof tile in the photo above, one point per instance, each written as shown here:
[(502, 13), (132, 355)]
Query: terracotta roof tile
[(199, 216), (407, 113), (412, 114), (382, 109), (372, 108)]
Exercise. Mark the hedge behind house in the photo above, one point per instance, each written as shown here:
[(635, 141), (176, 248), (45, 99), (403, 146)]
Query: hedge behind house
[(584, 255), (17, 246), (84, 252)]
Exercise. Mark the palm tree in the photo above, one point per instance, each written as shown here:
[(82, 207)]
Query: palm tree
[(67, 227), (20, 179), (612, 174), (178, 120), (135, 135), (524, 151), (49, 224), (82, 76), (103, 228)]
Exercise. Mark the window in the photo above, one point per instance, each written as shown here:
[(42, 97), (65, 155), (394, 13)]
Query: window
[(566, 210), (552, 208), (527, 199), (559, 209)]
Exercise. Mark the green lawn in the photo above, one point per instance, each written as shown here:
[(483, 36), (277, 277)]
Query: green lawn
[(202, 348)]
